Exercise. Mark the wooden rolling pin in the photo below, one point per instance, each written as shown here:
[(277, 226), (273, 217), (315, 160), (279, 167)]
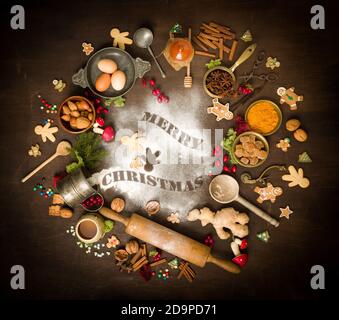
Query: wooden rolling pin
[(169, 240)]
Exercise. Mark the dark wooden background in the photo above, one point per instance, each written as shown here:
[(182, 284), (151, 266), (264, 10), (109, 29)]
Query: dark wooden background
[(51, 47)]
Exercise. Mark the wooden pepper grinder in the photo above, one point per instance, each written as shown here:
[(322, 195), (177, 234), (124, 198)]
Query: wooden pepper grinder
[(188, 78)]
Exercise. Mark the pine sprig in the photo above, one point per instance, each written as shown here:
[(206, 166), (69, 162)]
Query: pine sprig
[(88, 147)]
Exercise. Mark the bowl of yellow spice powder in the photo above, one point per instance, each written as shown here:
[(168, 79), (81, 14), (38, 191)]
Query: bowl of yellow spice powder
[(264, 117)]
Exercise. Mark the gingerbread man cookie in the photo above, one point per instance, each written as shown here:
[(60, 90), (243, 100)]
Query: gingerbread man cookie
[(220, 110), (289, 96), (120, 38), (134, 142), (46, 132), (268, 193)]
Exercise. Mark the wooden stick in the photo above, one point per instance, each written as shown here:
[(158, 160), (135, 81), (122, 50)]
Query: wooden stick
[(156, 263), (136, 257), (199, 43), (141, 260), (207, 36), (233, 49), (140, 265), (210, 28), (207, 42), (221, 49), (204, 54)]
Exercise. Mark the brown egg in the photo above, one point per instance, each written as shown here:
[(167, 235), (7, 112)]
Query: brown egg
[(118, 80), (103, 81), (107, 66)]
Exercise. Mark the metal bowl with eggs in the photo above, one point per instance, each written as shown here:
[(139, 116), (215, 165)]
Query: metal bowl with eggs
[(111, 72)]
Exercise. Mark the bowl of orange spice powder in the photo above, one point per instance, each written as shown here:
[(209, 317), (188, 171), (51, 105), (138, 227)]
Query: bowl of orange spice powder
[(264, 117)]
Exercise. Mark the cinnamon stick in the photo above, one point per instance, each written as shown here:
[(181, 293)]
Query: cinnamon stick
[(143, 250), (199, 43), (204, 54), (140, 265), (226, 49), (187, 272), (207, 42), (207, 36), (217, 26), (221, 49), (140, 261), (182, 268), (233, 49), (136, 257), (210, 27), (156, 263)]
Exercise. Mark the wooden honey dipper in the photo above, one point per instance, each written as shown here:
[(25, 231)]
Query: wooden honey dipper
[(188, 78)]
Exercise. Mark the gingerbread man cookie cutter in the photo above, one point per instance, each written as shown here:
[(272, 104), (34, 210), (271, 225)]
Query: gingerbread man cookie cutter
[(221, 111)]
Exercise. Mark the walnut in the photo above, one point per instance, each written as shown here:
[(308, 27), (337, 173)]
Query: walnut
[(132, 246), (118, 205), (121, 255)]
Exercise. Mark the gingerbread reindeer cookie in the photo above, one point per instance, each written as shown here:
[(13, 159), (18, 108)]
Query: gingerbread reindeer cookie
[(289, 96), (221, 111)]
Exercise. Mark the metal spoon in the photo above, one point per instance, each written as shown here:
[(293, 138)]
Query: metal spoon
[(63, 149), (143, 38)]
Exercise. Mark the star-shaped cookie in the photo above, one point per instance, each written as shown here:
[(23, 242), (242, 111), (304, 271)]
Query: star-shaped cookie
[(285, 212)]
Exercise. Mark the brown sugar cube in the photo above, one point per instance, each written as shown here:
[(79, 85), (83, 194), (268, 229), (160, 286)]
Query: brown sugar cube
[(54, 210), (244, 160), (259, 144), (58, 199), (254, 161), (262, 154)]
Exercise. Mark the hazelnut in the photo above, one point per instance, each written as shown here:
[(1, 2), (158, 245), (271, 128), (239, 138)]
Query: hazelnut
[(292, 124), (121, 255), (300, 135), (118, 204)]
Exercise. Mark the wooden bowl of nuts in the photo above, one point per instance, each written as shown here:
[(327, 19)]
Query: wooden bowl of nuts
[(76, 114), (250, 149)]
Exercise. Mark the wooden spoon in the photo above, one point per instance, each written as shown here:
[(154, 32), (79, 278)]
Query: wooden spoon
[(63, 149)]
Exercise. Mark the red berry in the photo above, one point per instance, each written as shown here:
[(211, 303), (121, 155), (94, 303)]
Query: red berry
[(234, 169), (158, 92), (100, 121), (99, 109), (226, 169), (225, 158), (97, 101), (166, 99), (154, 92), (159, 99), (152, 83)]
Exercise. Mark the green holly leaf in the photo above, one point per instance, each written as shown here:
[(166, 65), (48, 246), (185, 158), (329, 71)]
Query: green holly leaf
[(177, 28), (75, 165), (213, 63), (119, 102), (109, 224), (227, 143)]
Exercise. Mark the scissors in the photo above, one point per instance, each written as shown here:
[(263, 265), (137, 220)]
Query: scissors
[(267, 77)]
